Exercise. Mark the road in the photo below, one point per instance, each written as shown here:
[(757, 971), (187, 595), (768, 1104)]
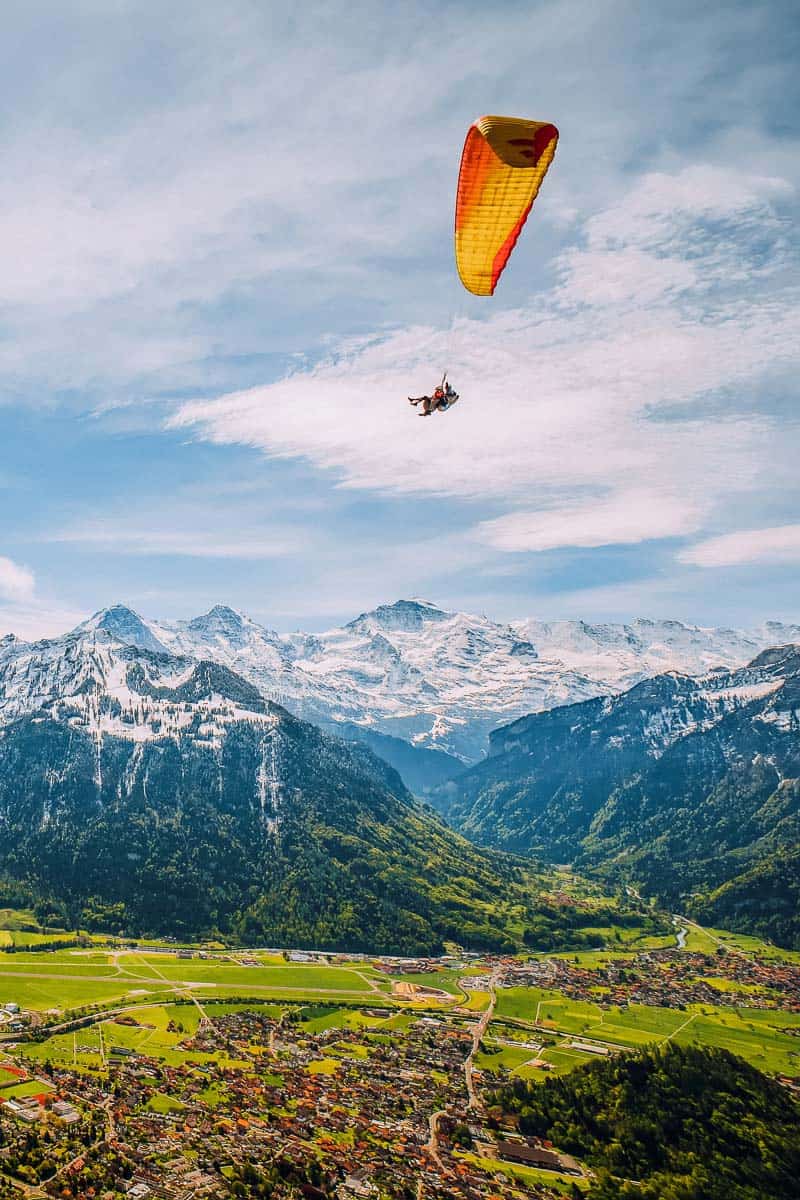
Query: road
[(431, 1148), (432, 1144), (477, 1036)]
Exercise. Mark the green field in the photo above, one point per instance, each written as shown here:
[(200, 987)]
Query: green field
[(323, 1066), (746, 944), (146, 984), (755, 1034), (324, 1017), (31, 1087), (618, 937), (222, 973), (164, 1104), (72, 979), (529, 1175), (50, 991), (477, 1002), (84, 1048), (494, 1055)]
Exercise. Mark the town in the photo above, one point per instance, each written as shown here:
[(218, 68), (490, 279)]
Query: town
[(375, 1078), (379, 1105)]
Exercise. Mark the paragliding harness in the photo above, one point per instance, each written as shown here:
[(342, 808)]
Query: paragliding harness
[(448, 399), (444, 396)]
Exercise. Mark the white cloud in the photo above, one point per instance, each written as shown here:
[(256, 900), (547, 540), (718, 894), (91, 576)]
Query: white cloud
[(778, 544), (584, 412), (16, 582), (156, 167), (288, 150), (623, 519), (661, 209), (33, 621), (202, 543)]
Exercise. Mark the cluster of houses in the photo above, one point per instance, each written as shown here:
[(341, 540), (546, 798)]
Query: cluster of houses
[(372, 1107), (381, 1108), (12, 1018), (666, 978)]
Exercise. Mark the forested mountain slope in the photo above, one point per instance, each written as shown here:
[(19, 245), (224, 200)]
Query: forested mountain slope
[(674, 1123), (151, 793), (687, 786)]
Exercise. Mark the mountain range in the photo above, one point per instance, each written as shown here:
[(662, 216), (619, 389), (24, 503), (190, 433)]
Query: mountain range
[(437, 680), (687, 786), (150, 780)]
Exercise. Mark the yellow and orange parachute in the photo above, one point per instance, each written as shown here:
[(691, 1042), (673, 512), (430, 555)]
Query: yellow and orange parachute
[(503, 164)]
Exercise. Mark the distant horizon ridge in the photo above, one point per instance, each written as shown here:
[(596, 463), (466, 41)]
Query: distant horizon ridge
[(221, 608)]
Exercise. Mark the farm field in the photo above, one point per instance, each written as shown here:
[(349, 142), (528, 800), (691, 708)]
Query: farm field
[(146, 984), (755, 1034), (496, 1055), (752, 945), (51, 990), (312, 977), (478, 1002), (318, 1018), (89, 1049), (627, 939)]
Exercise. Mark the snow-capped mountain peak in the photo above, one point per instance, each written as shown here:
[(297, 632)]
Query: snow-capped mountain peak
[(219, 618), (403, 615), (126, 626), (410, 669)]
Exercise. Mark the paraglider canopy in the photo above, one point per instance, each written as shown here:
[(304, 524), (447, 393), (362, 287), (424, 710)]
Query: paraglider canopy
[(503, 164)]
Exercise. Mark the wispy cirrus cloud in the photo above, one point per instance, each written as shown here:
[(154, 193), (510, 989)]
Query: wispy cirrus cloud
[(778, 544), (627, 517), (121, 538)]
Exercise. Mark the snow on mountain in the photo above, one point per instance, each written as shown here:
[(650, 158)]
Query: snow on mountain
[(124, 625), (438, 679), (688, 771), (622, 654), (657, 712), (99, 684)]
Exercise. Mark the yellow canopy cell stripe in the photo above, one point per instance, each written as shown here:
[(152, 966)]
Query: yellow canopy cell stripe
[(503, 164)]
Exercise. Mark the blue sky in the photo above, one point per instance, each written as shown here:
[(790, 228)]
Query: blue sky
[(227, 258)]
